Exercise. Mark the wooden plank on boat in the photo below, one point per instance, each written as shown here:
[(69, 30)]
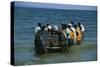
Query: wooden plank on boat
[(53, 47)]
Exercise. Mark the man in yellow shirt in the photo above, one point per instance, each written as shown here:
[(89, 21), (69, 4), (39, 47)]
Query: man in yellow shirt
[(79, 35)]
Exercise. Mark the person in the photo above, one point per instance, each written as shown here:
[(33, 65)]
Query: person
[(79, 35), (55, 28), (82, 29), (63, 38), (38, 28), (73, 32), (43, 27), (71, 35), (64, 31), (48, 27), (67, 34), (39, 43), (71, 23)]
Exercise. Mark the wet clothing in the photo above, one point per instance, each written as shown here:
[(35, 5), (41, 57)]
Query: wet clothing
[(39, 45), (69, 37), (70, 42)]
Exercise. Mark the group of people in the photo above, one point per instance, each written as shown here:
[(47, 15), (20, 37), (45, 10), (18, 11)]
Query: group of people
[(73, 33)]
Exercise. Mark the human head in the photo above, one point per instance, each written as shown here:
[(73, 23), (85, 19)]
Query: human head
[(43, 27), (79, 23), (39, 24), (75, 26), (47, 25), (69, 26), (72, 22)]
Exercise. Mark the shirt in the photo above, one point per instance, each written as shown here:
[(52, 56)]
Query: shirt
[(68, 32), (74, 30), (37, 29), (83, 29)]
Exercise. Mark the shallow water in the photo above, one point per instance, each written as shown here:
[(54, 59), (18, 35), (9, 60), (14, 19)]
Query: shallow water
[(26, 19), (77, 53)]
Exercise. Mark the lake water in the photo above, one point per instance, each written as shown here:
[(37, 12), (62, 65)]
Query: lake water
[(26, 19)]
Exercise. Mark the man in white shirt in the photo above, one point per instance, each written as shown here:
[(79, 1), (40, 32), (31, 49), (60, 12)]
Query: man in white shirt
[(83, 31), (38, 28), (82, 28)]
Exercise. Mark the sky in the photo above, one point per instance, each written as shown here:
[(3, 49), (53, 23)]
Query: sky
[(53, 6)]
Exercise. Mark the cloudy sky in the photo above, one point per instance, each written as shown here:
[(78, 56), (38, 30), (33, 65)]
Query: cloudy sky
[(53, 6)]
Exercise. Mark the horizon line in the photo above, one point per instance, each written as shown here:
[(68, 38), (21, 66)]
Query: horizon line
[(52, 5)]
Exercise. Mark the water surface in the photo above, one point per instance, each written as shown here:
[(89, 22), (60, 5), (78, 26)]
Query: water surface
[(26, 19)]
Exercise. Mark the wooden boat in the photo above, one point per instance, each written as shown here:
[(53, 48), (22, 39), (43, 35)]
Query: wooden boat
[(52, 41)]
